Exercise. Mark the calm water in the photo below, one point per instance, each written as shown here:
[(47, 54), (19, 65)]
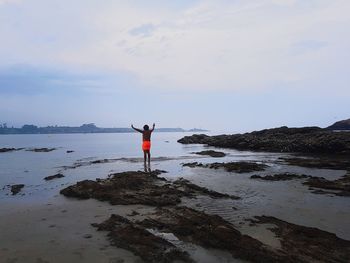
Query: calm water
[(31, 167)]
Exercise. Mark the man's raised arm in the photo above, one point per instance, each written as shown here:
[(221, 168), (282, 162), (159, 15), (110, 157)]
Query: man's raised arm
[(132, 126)]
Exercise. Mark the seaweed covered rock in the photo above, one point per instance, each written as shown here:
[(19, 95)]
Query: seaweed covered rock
[(283, 139), (238, 167), (125, 234), (136, 187), (211, 153), (210, 231), (55, 176), (280, 177), (340, 187), (308, 244), (16, 188)]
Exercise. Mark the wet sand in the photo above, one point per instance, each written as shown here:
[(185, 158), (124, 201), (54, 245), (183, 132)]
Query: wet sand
[(53, 228)]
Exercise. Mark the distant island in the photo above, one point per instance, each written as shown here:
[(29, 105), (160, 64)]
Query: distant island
[(85, 128)]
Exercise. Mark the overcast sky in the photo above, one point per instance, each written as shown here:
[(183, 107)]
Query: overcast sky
[(230, 65)]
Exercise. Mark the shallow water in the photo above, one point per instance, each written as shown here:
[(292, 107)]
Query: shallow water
[(286, 200)]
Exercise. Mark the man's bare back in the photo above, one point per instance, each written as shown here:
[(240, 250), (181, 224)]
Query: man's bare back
[(146, 145), (146, 135)]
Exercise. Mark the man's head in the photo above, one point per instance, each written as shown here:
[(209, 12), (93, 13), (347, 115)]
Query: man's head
[(146, 128)]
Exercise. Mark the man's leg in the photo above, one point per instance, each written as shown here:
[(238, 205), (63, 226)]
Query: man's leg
[(144, 157), (149, 158)]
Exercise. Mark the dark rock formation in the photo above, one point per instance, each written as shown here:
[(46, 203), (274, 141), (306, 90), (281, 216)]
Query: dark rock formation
[(308, 244), (125, 234), (188, 187), (340, 187), (211, 153), (238, 167), (210, 231), (284, 139), (322, 162), (138, 188), (16, 188), (4, 150), (340, 125), (193, 164), (69, 151), (45, 150), (280, 177), (51, 177)]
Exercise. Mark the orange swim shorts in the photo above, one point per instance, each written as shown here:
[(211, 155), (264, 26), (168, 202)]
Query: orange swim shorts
[(146, 145)]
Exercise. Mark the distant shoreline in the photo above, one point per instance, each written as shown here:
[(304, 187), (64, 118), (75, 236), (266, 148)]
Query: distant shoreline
[(83, 129)]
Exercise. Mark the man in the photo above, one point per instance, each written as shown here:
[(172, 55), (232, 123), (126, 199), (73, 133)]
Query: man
[(146, 142)]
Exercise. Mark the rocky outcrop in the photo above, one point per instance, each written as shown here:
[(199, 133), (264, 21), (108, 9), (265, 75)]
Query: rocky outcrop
[(238, 167), (125, 234), (4, 150), (340, 187), (51, 177), (211, 153), (284, 139), (280, 177), (41, 150), (308, 244), (138, 188), (333, 162), (16, 188), (340, 125), (188, 225)]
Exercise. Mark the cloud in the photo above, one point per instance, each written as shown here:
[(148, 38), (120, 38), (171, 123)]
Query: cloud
[(143, 30), (26, 80), (213, 45)]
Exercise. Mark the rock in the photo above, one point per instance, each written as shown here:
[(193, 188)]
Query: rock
[(69, 151), (195, 139), (51, 177), (308, 244), (4, 150), (16, 188), (134, 213), (192, 165), (238, 167), (340, 187), (125, 234), (283, 139), (138, 188), (87, 236), (41, 150), (194, 190), (340, 125), (211, 153), (280, 177), (101, 161), (212, 232), (322, 162)]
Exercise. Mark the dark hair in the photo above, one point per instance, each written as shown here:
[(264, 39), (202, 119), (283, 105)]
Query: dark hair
[(146, 128)]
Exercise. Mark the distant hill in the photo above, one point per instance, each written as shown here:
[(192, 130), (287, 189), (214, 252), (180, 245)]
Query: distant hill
[(340, 125), (85, 128)]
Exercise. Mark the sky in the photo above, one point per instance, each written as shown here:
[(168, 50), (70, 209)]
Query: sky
[(223, 65)]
